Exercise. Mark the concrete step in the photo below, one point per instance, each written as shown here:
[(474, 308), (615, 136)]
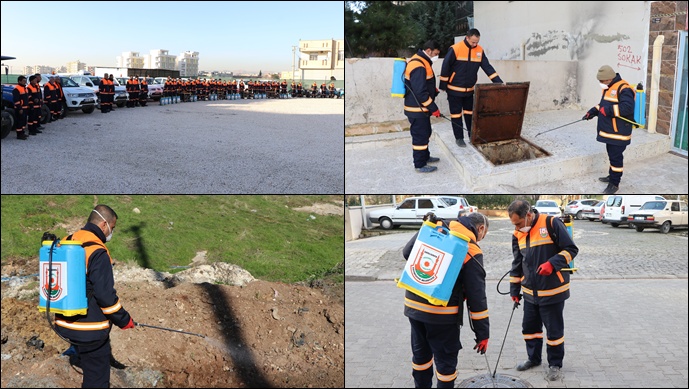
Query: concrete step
[(573, 151)]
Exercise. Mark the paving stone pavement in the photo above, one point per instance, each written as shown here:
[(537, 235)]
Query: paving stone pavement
[(625, 322)]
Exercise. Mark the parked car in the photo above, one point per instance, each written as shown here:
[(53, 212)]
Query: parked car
[(662, 214), (155, 91), (411, 212), (76, 97), (593, 212), (618, 207), (548, 207), (576, 207), (461, 202), (93, 83)]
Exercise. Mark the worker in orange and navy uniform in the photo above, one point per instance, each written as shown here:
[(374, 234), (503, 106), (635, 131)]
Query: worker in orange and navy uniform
[(458, 78), (35, 100), (419, 103), (50, 94), (542, 247), (435, 328), (91, 332), (104, 93), (143, 93), (20, 96), (616, 102)]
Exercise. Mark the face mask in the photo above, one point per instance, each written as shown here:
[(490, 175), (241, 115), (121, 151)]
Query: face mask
[(107, 238), (603, 86), (434, 58), (526, 228)]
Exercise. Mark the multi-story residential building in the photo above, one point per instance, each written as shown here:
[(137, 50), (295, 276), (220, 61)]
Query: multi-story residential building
[(188, 63), (321, 59), (74, 67), (159, 59), (130, 59)]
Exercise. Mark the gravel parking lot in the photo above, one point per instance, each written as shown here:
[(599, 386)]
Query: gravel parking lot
[(238, 146)]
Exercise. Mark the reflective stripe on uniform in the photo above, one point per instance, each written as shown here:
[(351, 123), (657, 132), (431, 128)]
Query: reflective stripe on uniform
[(460, 89), (431, 308), (552, 292), (555, 342), (446, 378), (613, 136), (424, 147), (112, 309), (478, 315), (81, 326), (425, 366), (538, 335), (616, 169)]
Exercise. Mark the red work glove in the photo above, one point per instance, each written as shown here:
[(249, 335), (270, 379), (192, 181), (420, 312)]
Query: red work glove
[(602, 111), (590, 114), (481, 346), (436, 113), (129, 325), (545, 269), (516, 299)]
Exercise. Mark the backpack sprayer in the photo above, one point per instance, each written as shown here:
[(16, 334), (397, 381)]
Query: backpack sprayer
[(63, 283)]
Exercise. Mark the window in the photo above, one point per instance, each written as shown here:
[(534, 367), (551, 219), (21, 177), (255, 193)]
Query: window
[(425, 204), (675, 207), (407, 204), (313, 57), (684, 208), (340, 55)]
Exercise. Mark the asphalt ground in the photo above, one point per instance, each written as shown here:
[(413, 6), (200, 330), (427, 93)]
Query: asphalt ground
[(625, 322), (238, 146)]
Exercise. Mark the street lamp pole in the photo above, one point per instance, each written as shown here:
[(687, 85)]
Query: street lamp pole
[(293, 54)]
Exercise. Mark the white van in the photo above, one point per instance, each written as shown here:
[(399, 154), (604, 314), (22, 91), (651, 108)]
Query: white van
[(618, 208)]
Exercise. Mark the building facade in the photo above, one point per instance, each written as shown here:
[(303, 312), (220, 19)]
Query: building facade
[(130, 59), (74, 67), (188, 64), (321, 59), (159, 59)]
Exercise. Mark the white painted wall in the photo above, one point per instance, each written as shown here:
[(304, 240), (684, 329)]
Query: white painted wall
[(590, 33)]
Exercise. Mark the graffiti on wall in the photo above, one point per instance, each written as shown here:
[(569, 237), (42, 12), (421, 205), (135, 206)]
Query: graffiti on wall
[(626, 57)]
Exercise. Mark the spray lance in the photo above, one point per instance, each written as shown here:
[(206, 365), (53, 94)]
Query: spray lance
[(168, 329)]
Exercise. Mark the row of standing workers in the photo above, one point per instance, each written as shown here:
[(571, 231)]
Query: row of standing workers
[(137, 89), (224, 90), (28, 100)]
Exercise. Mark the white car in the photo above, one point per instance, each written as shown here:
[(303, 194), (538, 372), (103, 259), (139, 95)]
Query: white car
[(462, 204), (548, 207), (93, 83), (593, 212), (576, 207), (411, 211), (76, 97), (662, 214)]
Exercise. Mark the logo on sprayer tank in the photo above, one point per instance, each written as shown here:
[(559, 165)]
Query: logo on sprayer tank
[(53, 282), (425, 267)]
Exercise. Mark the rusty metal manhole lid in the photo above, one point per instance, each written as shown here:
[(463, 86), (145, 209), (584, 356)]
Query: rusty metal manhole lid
[(498, 111), (500, 381)]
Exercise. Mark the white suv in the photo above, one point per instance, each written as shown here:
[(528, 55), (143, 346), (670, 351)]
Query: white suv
[(76, 97)]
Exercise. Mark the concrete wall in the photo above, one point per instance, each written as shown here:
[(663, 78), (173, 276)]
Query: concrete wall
[(589, 34), (369, 81), (353, 223)]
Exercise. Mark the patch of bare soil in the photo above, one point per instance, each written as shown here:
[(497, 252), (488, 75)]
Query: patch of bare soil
[(261, 334), (323, 209)]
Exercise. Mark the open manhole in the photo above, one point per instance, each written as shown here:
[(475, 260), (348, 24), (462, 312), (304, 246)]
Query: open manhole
[(500, 381), (497, 123)]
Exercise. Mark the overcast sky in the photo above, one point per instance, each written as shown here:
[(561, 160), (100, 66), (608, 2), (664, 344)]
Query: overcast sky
[(237, 35)]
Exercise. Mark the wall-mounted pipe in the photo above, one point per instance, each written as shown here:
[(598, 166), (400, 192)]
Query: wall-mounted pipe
[(655, 83)]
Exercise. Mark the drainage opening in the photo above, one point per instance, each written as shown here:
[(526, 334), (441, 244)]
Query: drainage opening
[(510, 151), (500, 381)]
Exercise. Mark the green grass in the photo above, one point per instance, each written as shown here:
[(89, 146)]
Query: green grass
[(262, 234)]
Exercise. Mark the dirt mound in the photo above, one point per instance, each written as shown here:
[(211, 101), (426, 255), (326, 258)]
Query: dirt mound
[(260, 334)]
